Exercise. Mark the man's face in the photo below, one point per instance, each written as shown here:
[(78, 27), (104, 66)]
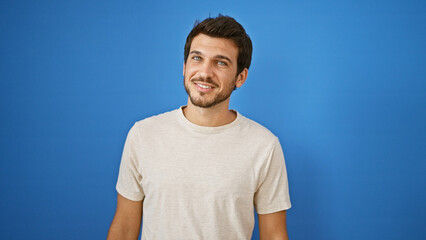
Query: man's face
[(210, 72)]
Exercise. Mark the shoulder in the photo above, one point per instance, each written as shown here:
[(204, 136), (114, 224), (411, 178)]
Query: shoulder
[(256, 130), (156, 122)]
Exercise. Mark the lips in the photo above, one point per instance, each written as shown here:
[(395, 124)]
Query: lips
[(203, 87), (206, 82)]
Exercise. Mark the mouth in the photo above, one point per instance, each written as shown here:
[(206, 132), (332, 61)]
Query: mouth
[(204, 87)]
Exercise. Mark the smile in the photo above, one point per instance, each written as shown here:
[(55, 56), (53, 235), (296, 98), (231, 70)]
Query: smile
[(203, 86)]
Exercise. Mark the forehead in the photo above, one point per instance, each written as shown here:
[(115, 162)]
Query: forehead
[(214, 46)]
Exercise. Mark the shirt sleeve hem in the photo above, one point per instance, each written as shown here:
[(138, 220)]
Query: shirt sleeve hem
[(273, 209), (130, 196)]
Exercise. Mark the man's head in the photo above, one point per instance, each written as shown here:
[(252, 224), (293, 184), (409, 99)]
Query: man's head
[(217, 58), (224, 27)]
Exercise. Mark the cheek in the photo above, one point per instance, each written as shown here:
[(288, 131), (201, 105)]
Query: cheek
[(228, 77), (189, 71)]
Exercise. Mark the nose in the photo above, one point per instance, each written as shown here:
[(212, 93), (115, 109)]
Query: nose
[(206, 70)]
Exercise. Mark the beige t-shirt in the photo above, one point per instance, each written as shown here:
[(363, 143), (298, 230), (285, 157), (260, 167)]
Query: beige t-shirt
[(202, 182)]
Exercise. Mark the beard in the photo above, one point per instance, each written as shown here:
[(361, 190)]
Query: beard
[(201, 99)]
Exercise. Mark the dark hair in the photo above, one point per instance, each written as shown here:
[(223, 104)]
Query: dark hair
[(224, 27)]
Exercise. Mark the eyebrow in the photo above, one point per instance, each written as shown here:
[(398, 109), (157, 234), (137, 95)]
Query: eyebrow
[(217, 56), (223, 57)]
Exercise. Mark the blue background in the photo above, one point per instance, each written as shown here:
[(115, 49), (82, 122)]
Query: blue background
[(341, 83)]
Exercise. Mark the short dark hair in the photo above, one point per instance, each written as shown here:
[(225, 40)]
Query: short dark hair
[(224, 27)]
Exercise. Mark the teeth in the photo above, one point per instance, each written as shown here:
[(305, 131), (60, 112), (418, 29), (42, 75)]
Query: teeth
[(203, 86)]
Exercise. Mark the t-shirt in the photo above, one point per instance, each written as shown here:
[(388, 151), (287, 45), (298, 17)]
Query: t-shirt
[(201, 182)]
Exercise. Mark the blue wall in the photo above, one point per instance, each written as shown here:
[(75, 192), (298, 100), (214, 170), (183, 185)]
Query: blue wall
[(342, 83)]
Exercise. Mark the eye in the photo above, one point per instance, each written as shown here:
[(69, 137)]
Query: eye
[(222, 63), (196, 58)]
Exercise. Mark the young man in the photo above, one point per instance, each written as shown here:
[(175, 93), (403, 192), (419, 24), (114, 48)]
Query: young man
[(199, 172)]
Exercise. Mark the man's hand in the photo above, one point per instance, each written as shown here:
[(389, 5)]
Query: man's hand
[(127, 220), (273, 226)]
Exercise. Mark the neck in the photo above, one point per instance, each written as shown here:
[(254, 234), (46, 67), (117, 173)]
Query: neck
[(214, 116)]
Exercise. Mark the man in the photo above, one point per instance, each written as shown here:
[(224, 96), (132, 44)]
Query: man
[(199, 171)]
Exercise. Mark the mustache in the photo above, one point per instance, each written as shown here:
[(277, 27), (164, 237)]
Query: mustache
[(206, 80)]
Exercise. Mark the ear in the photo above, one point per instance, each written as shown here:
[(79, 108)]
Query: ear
[(241, 78)]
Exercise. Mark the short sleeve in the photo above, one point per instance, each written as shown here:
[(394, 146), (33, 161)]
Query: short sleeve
[(129, 183), (273, 193)]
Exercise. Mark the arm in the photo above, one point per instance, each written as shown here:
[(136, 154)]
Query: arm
[(273, 226), (127, 220)]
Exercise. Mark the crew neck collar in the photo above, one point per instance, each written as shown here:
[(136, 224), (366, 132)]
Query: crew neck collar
[(203, 129)]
